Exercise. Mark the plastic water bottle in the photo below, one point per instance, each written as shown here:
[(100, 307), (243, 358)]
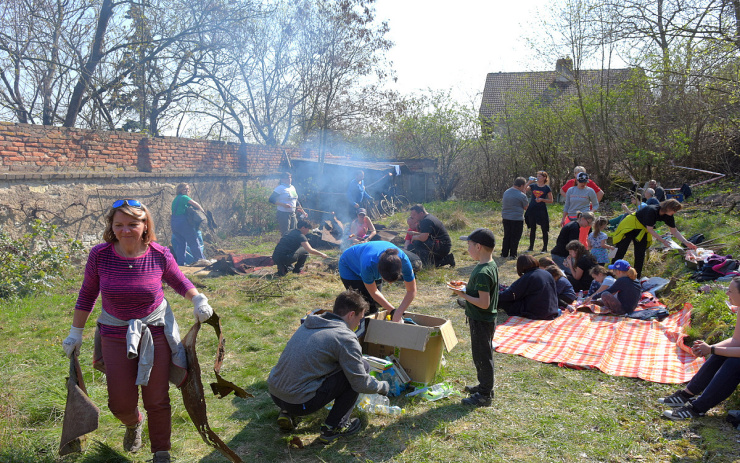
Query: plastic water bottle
[(385, 410), (377, 399), (579, 299)]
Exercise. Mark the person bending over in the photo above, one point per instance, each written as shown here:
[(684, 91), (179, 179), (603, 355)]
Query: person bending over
[(365, 266), (432, 242), (322, 362), (293, 247)]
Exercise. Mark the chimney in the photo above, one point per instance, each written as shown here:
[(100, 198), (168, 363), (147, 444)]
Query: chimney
[(564, 70)]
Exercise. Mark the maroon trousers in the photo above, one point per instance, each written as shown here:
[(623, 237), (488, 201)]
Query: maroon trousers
[(123, 393)]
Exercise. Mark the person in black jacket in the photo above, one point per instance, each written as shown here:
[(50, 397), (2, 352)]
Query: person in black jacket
[(533, 295), (580, 262), (621, 297), (568, 233)]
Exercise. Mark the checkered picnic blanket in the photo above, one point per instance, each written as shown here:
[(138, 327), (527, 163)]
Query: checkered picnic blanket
[(651, 350)]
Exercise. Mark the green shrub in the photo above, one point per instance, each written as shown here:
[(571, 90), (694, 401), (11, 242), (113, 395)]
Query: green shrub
[(254, 215), (35, 261), (712, 317)]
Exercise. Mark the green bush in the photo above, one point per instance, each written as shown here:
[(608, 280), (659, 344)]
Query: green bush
[(35, 261), (711, 318), (254, 215)]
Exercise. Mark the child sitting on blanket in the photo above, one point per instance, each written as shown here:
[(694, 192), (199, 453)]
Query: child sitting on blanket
[(716, 379), (603, 279), (481, 300), (622, 297), (565, 291)]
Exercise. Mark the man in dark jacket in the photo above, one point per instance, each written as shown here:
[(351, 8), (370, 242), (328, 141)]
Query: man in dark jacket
[(431, 243), (323, 362), (533, 295)]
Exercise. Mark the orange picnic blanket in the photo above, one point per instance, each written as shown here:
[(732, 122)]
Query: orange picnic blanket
[(648, 349)]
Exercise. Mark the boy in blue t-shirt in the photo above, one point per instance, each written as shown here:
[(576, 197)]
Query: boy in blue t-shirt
[(481, 300)]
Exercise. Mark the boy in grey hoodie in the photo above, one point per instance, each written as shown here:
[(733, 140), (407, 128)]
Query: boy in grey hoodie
[(322, 362)]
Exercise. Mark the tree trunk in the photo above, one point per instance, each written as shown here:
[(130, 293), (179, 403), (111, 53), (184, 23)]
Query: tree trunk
[(96, 54)]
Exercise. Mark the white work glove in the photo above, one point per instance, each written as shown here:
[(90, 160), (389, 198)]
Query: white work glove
[(73, 341), (201, 309)]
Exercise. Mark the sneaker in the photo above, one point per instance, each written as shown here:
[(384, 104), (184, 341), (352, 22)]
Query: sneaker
[(684, 413), (675, 400), (472, 389), (132, 438), (162, 456), (530, 250), (286, 422), (478, 400), (331, 433)]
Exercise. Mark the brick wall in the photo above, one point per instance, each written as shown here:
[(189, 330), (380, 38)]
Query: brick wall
[(33, 148), (69, 177)]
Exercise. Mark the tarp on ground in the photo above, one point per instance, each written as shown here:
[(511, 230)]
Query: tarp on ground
[(648, 349)]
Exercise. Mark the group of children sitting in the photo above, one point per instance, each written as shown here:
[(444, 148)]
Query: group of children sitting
[(615, 286)]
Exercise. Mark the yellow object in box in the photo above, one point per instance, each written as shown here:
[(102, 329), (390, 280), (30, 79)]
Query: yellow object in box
[(417, 347)]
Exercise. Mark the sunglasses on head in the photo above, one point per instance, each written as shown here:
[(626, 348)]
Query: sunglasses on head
[(127, 202)]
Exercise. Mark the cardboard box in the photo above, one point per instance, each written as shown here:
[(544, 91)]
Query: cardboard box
[(417, 347)]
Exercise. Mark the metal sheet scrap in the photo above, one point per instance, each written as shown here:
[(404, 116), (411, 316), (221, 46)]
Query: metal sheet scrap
[(192, 390)]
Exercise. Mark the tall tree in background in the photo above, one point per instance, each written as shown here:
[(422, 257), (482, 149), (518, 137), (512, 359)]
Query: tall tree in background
[(440, 129), (39, 41), (342, 50)]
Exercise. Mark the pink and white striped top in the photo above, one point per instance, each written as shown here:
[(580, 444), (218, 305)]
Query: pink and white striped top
[(130, 288)]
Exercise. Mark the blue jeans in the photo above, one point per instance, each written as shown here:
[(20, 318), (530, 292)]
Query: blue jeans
[(716, 380), (186, 236), (559, 261)]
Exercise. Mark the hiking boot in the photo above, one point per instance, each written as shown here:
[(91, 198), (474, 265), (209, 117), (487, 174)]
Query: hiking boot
[(132, 438), (478, 400), (286, 421), (162, 456), (472, 389), (331, 433), (684, 413), (677, 399)]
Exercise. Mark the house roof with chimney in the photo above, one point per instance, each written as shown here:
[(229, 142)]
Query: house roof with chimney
[(505, 90)]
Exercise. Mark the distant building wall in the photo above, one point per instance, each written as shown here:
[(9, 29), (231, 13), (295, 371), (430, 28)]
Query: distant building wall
[(69, 177)]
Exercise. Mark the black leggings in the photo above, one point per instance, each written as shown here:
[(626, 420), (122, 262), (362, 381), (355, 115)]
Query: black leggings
[(640, 249), (533, 234)]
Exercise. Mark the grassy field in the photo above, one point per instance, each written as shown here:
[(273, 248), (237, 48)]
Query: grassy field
[(541, 413)]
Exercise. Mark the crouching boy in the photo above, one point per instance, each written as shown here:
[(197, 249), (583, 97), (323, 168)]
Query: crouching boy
[(294, 247), (481, 300), (323, 362)]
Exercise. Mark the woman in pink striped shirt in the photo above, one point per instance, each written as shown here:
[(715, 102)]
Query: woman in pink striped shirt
[(137, 337)]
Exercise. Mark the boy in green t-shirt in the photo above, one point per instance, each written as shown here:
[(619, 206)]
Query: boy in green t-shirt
[(481, 300)]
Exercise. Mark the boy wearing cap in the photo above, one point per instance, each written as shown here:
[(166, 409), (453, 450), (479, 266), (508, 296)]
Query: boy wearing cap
[(621, 297), (481, 300)]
